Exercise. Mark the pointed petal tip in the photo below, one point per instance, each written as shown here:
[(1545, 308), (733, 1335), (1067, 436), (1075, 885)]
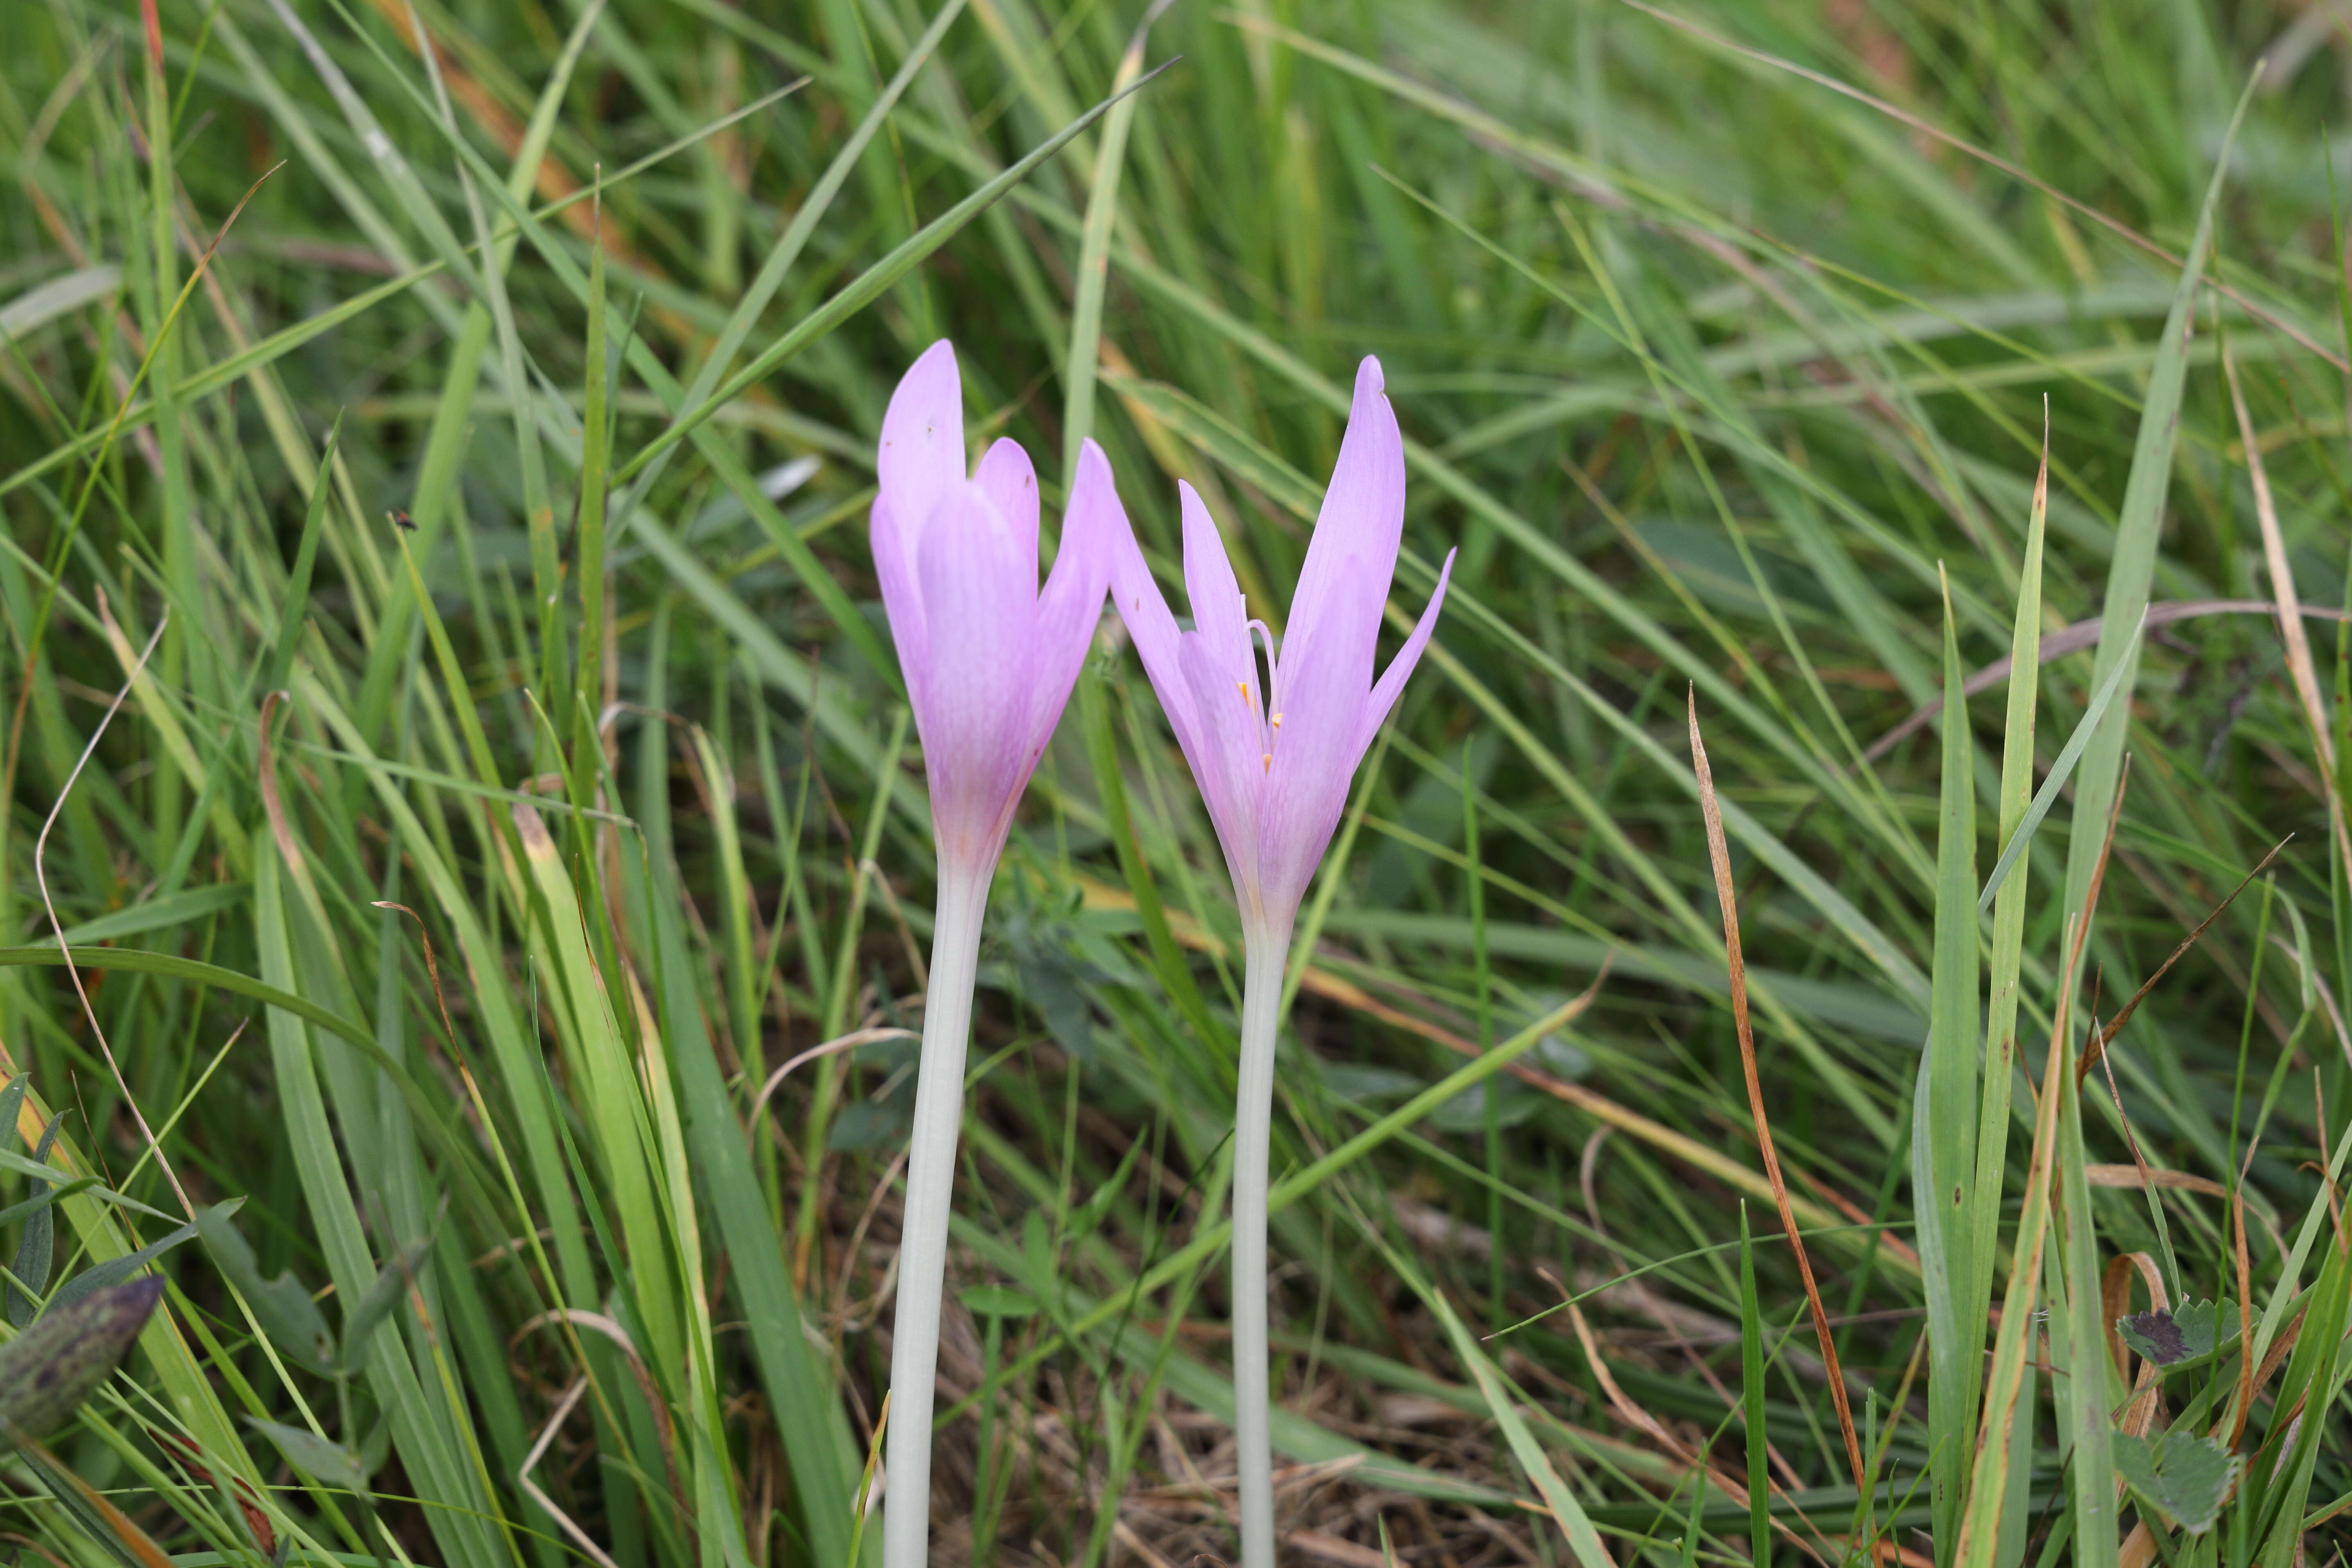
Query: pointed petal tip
[(1094, 505), (1369, 378), (1391, 685), (933, 375)]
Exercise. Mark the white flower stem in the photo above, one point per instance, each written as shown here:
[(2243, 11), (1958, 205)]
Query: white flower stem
[(930, 1193), (1267, 951)]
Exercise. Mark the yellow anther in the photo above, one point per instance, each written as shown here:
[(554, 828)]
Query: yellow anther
[(1265, 763), (1278, 721), (1242, 687)]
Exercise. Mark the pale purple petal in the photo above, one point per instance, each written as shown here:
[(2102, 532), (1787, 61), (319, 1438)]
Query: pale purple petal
[(1321, 691), (1218, 613), (921, 457), (1227, 756), (1363, 516), (1071, 607), (1006, 477), (902, 592), (1136, 594), (974, 720), (1391, 683)]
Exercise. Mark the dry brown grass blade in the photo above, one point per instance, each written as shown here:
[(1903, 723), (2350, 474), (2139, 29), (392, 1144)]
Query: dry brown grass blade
[(564, 1521), (1633, 1415), (1719, 853), (2097, 1047), (574, 1318), (2247, 1381), (2299, 665), (2140, 1410), (1628, 1412), (2148, 1176)]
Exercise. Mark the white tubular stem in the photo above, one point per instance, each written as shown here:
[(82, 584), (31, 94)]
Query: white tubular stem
[(1267, 953), (930, 1194)]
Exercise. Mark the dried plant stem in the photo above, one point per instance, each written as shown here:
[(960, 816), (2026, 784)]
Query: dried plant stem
[(930, 1190), (1266, 949)]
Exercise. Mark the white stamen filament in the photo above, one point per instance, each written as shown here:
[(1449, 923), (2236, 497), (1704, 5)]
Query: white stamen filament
[(1268, 725)]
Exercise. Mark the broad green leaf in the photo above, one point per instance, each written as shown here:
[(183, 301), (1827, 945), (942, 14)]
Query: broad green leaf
[(327, 1463), (2185, 1477), (280, 1305)]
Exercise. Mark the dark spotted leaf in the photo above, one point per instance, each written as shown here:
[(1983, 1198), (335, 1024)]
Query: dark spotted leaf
[(2184, 1476), (47, 1372), (2167, 1338)]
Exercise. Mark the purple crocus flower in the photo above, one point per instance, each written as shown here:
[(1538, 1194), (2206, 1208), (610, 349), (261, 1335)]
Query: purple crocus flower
[(988, 662), (1272, 766)]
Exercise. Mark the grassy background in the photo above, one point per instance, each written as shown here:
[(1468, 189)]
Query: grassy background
[(1728, 380)]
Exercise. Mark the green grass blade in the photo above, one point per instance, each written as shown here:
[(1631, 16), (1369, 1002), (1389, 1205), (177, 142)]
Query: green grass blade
[(872, 283), (1943, 1132)]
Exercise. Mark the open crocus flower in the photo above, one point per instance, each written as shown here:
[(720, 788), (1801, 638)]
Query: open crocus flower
[(988, 662), (1272, 766)]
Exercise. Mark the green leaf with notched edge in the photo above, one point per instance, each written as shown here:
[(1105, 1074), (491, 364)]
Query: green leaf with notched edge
[(2169, 1337), (2184, 1476), (49, 1370), (281, 1305)]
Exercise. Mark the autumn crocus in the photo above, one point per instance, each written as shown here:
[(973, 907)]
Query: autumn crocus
[(988, 662), (1273, 759)]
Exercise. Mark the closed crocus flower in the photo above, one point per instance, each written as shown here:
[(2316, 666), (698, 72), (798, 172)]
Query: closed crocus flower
[(1274, 760), (988, 662)]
